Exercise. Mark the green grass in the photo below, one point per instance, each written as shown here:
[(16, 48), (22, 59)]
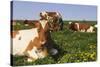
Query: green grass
[(72, 46)]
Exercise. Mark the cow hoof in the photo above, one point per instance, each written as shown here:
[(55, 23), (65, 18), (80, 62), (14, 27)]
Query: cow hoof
[(54, 51)]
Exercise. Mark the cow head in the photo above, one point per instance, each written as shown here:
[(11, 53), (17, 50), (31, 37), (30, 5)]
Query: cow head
[(43, 15)]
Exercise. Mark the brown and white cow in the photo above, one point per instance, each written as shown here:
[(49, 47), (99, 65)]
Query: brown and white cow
[(32, 42), (53, 18), (29, 22), (81, 27)]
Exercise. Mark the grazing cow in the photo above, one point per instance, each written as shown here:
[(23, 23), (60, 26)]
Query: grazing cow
[(29, 22), (34, 42), (53, 17), (82, 27)]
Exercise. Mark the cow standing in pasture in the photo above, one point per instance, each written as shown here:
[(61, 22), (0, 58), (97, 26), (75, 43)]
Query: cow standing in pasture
[(34, 43), (81, 27), (54, 18)]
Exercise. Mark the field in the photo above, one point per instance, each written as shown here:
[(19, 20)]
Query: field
[(73, 47)]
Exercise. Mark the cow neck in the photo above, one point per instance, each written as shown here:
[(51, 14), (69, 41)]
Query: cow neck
[(41, 33)]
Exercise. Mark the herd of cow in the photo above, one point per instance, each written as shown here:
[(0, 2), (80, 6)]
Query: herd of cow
[(36, 43)]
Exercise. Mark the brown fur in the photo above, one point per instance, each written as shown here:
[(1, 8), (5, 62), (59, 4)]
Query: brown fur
[(14, 33), (52, 14), (82, 26)]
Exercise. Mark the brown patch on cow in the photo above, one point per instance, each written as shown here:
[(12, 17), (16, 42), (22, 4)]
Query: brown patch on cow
[(73, 26), (51, 14), (32, 44), (14, 33), (84, 26), (37, 25)]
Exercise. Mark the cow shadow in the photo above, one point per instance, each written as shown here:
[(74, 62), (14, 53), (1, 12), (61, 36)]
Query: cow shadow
[(61, 52)]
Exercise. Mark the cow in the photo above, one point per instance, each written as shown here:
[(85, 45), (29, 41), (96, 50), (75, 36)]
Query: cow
[(53, 18), (34, 43), (81, 27), (29, 22)]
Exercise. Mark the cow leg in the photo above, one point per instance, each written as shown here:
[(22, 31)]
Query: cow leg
[(32, 54), (83, 30)]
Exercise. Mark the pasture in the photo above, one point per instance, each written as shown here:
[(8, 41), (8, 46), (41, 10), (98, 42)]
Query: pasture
[(73, 47)]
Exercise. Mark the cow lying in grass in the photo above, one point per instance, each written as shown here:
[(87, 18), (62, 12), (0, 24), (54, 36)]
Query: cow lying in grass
[(81, 27), (34, 43)]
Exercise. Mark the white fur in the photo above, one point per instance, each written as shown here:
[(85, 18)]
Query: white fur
[(29, 60), (77, 26), (43, 13), (90, 29), (25, 36), (70, 22), (96, 25), (35, 54), (41, 54), (43, 23), (58, 14), (82, 30)]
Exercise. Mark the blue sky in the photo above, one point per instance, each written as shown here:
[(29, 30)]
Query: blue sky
[(30, 10)]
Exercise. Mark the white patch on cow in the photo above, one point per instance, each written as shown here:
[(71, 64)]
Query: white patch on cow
[(42, 42), (26, 25), (43, 23), (82, 30), (36, 54), (41, 54), (77, 24), (22, 40), (53, 51), (70, 22), (29, 60), (90, 29), (96, 25), (58, 14), (43, 13)]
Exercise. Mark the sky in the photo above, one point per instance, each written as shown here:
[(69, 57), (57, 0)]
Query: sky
[(30, 10)]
